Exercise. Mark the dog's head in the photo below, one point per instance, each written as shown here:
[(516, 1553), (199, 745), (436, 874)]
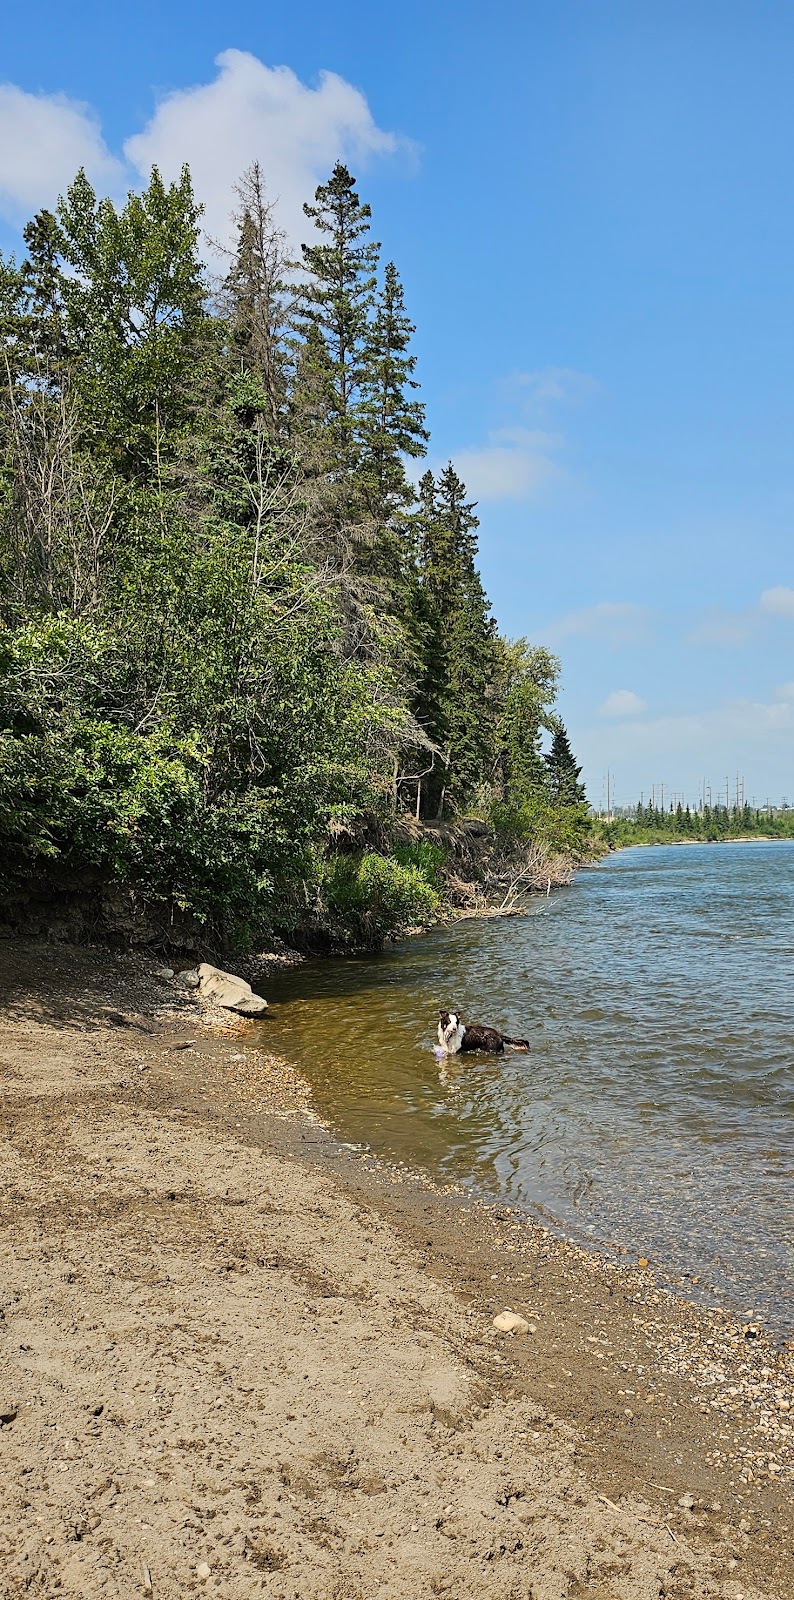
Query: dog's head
[(448, 1021)]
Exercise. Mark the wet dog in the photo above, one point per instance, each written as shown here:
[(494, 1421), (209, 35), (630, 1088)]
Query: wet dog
[(455, 1036)]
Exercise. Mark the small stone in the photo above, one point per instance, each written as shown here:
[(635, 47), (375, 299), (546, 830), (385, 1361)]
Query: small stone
[(686, 1502), (164, 972), (190, 978), (203, 1571), (510, 1322), (643, 1261), (9, 1410)]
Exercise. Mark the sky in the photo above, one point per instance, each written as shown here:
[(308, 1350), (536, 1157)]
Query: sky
[(590, 205)]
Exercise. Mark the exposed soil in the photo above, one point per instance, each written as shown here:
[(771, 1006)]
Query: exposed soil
[(237, 1359)]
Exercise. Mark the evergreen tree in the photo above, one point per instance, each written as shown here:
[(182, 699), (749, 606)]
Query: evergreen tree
[(338, 296), (564, 774), (454, 702), (256, 299), (392, 422)]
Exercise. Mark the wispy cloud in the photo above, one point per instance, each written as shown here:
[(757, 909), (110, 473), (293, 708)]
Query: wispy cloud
[(524, 455), (623, 703), (778, 602), (612, 622), (558, 385), (513, 465), (720, 626), (248, 111)]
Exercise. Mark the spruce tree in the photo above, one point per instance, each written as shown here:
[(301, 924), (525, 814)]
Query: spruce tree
[(338, 296), (255, 298), (563, 772), (454, 702), (391, 419)]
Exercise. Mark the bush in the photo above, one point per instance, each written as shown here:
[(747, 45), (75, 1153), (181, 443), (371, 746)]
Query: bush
[(374, 898)]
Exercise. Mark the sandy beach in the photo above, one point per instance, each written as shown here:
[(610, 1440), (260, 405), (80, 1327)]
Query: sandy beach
[(238, 1359)]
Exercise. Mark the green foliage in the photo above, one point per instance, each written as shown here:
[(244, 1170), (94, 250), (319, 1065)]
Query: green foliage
[(227, 622), (374, 898)]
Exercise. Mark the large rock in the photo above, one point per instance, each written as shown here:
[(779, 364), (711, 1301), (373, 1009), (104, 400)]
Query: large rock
[(224, 989), (510, 1322)]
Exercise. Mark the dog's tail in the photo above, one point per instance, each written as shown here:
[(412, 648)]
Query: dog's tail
[(518, 1044)]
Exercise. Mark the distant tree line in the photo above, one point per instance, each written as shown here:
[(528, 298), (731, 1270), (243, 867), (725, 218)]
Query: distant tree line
[(652, 824), (235, 638)]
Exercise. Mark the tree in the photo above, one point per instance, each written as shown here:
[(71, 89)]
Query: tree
[(453, 700), (256, 299), (526, 687), (338, 296), (563, 772), (392, 422), (134, 300)]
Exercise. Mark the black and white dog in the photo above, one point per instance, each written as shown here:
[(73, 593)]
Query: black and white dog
[(455, 1036)]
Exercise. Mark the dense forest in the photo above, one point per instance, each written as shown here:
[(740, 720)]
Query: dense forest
[(242, 636)]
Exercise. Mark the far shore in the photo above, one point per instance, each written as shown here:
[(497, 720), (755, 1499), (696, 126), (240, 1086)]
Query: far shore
[(240, 1358)]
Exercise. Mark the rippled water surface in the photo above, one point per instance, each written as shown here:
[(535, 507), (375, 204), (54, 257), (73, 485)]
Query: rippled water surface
[(656, 1109)]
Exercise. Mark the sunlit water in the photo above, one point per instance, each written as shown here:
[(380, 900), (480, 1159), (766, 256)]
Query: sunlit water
[(656, 1110)]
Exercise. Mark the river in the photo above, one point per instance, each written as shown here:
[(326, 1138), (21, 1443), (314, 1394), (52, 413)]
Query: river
[(655, 1112)]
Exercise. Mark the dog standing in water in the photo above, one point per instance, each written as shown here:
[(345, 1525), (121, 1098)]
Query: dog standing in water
[(455, 1036)]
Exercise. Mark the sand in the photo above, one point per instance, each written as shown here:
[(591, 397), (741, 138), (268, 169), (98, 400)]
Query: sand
[(237, 1360)]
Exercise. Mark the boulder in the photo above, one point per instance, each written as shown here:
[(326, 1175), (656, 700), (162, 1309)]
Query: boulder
[(224, 989)]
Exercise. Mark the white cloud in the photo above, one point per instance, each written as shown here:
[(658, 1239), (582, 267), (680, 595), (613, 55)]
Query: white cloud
[(623, 703), (613, 622), (511, 466), (44, 140), (778, 602), (248, 112), (254, 112)]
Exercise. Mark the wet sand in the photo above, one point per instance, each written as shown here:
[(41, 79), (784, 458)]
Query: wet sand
[(239, 1359)]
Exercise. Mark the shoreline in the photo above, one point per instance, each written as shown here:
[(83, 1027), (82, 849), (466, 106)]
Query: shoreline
[(627, 1417)]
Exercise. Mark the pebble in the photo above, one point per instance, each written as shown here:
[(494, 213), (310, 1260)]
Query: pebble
[(203, 1571), (9, 1410)]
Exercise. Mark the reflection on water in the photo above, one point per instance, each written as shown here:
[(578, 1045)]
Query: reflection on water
[(657, 1106)]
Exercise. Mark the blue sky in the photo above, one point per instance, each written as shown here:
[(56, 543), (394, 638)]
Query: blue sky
[(590, 204)]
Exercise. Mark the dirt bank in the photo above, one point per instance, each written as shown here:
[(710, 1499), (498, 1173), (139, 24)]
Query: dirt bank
[(238, 1360)]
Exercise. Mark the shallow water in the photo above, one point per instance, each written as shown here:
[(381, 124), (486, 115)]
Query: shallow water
[(656, 1110)]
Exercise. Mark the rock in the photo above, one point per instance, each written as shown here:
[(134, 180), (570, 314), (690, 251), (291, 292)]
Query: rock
[(164, 972), (224, 989), (189, 978), (686, 1502), (203, 1571), (9, 1410), (510, 1322)]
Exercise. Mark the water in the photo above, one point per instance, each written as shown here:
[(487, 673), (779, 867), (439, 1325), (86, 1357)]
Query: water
[(656, 1110)]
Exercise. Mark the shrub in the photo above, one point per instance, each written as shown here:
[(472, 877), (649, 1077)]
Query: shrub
[(374, 898)]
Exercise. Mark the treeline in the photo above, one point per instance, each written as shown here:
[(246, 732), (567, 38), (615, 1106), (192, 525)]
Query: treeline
[(652, 825), (235, 640)]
